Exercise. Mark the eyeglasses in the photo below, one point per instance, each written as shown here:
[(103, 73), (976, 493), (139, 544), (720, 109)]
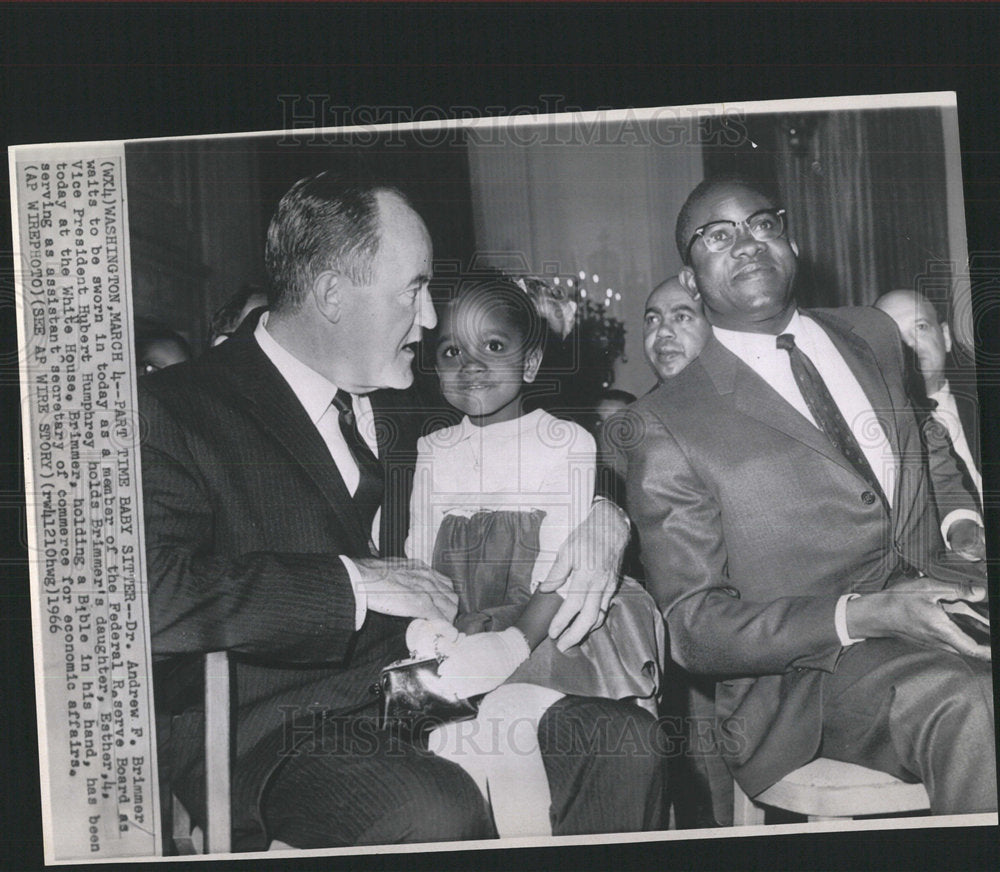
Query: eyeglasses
[(764, 225)]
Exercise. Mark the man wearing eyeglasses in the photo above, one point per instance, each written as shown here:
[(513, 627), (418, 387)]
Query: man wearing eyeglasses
[(782, 500)]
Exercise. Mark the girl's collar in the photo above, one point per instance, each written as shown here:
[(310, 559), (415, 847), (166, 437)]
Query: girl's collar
[(502, 429)]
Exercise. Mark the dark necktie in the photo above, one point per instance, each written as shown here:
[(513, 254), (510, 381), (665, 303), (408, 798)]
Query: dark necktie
[(829, 418), (935, 435), (371, 484)]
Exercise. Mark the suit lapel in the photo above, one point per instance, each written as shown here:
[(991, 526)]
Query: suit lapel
[(272, 402), (756, 398)]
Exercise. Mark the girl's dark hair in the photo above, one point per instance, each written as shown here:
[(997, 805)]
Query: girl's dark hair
[(500, 294)]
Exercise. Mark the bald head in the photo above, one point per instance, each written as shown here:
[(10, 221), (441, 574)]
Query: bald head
[(674, 328), (922, 330)]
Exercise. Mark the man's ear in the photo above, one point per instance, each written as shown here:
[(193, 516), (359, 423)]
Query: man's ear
[(326, 290), (532, 360), (946, 332), (687, 280)]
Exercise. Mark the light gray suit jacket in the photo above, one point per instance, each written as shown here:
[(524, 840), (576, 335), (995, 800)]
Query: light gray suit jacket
[(752, 526)]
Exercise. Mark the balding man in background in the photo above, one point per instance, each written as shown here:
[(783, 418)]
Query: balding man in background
[(953, 408)]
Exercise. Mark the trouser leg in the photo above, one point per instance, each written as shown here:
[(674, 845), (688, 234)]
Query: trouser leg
[(603, 767), (365, 786), (919, 714)]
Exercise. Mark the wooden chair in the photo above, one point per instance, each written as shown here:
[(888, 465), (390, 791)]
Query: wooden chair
[(218, 838), (831, 790), (218, 762)]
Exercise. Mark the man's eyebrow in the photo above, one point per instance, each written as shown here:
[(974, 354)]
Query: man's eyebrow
[(652, 310), (421, 279), (683, 307)]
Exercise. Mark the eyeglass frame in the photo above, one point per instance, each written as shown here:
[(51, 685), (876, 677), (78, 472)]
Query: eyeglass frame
[(699, 232)]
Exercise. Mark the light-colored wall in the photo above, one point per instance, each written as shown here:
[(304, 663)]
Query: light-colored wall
[(608, 209)]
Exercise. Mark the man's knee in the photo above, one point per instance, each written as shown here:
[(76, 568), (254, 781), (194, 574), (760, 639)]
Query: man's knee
[(608, 728), (443, 804), (954, 685)]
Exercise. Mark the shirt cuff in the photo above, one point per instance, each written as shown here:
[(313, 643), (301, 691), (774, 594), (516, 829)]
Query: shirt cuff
[(840, 620), (360, 600), (958, 515)]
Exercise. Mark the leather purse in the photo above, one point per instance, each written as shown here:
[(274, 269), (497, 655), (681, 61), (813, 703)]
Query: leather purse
[(976, 630), (412, 700)]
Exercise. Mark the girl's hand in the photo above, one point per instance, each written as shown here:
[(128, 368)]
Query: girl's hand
[(426, 639), (473, 665)]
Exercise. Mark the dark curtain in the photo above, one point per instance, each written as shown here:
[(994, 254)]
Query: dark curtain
[(199, 209), (865, 193)]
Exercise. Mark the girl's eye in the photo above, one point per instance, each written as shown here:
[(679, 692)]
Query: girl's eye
[(494, 345), (449, 352)]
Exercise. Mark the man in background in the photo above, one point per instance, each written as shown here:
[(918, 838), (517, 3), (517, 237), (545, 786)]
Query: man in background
[(953, 407), (231, 314), (674, 328)]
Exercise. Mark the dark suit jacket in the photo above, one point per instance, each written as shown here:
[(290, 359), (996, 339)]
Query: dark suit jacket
[(245, 517), (752, 525), (962, 382)]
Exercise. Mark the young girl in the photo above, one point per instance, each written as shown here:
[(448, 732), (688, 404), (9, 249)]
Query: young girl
[(493, 499)]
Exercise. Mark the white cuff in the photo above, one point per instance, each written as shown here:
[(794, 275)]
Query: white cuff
[(840, 620), (958, 515), (516, 643), (360, 600)]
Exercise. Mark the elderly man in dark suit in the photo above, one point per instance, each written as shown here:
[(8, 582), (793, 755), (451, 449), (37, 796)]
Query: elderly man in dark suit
[(781, 496), (276, 476)]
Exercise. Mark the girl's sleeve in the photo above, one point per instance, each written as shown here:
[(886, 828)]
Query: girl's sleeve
[(566, 493)]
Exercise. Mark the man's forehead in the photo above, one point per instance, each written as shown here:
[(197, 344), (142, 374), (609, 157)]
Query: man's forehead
[(908, 305), (671, 298), (728, 202)]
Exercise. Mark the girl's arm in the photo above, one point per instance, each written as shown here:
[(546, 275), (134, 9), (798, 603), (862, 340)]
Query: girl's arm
[(537, 615), (572, 479)]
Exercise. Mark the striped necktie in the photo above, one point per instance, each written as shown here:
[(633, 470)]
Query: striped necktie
[(371, 484)]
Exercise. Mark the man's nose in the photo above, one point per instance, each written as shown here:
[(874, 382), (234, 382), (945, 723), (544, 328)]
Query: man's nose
[(426, 316), (745, 242), (665, 329)]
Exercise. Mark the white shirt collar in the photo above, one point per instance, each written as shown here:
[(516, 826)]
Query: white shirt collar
[(313, 390), (942, 394), (745, 344)]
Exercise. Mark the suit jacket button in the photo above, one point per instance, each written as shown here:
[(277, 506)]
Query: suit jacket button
[(868, 498)]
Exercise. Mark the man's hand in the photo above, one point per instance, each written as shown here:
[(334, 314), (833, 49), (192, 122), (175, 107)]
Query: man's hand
[(917, 610), (406, 588), (967, 540), (585, 573)]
